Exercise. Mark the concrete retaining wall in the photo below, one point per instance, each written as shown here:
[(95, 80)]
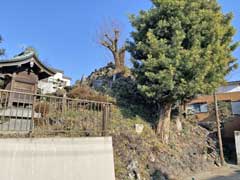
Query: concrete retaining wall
[(57, 159)]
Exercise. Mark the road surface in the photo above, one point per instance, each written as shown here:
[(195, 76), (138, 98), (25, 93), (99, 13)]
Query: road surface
[(229, 172)]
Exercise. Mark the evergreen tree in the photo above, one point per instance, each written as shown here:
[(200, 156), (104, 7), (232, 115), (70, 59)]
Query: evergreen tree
[(180, 48)]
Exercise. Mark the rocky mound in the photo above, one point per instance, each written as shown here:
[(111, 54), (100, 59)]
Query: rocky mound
[(102, 78), (143, 156)]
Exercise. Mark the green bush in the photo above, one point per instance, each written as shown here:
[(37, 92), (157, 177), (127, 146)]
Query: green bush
[(130, 100)]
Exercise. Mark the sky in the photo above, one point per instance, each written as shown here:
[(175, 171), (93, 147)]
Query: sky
[(64, 33)]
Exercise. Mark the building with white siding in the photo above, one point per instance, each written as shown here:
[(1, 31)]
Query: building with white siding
[(233, 86), (55, 82)]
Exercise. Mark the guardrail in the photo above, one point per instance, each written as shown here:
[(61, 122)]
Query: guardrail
[(42, 114)]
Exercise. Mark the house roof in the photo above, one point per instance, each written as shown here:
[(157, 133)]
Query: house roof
[(65, 77), (233, 83), (58, 70), (28, 57)]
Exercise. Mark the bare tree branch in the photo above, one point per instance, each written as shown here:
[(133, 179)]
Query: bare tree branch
[(107, 45), (110, 40)]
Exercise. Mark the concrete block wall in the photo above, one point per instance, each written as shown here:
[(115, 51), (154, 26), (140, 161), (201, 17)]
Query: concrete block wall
[(57, 159)]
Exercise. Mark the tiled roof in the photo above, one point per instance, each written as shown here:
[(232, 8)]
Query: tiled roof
[(23, 58)]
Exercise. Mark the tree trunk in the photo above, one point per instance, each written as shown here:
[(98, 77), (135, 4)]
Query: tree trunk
[(184, 109), (181, 116), (179, 124), (117, 63), (163, 127), (122, 58)]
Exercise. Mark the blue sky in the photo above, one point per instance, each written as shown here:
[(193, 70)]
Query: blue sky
[(64, 32)]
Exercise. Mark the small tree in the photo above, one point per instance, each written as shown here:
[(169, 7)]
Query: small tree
[(109, 38), (224, 111), (180, 48)]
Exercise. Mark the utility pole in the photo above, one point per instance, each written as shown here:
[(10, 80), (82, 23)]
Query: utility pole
[(219, 130)]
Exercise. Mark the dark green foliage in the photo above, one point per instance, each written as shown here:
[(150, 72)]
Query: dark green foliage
[(125, 90), (224, 110), (158, 175), (181, 48), (131, 101), (225, 115)]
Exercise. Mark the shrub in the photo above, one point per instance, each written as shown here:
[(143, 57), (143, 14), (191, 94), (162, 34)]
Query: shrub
[(128, 97), (85, 92), (60, 92), (43, 108)]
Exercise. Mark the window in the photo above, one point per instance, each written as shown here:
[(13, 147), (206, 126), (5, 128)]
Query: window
[(198, 108), (235, 107)]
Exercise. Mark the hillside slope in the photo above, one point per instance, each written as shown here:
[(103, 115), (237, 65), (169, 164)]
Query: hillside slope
[(143, 156)]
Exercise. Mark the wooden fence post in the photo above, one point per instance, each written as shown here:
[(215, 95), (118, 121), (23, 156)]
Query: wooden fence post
[(219, 130), (104, 119), (32, 114), (64, 101)]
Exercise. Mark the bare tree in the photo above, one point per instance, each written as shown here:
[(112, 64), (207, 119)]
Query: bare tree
[(110, 39)]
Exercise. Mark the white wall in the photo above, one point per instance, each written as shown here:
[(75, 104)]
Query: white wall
[(56, 76), (67, 81), (53, 83), (229, 88), (46, 87), (57, 159)]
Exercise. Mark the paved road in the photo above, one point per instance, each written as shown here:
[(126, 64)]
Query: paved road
[(230, 172)]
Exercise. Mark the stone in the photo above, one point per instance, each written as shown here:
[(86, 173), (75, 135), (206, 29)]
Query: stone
[(133, 171), (139, 128), (152, 157)]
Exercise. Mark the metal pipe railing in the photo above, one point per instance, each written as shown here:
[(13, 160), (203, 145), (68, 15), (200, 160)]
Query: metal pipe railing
[(37, 113)]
